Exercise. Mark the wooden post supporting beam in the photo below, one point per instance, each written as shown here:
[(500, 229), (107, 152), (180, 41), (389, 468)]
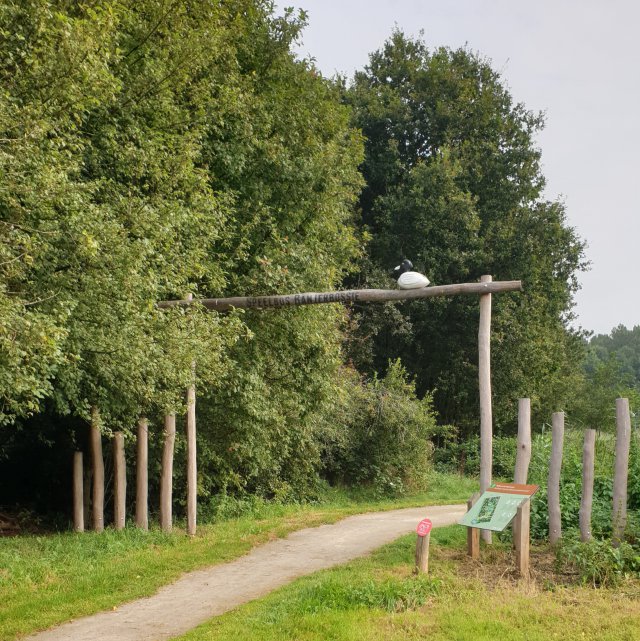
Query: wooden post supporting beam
[(553, 485), (473, 534), (621, 470), (349, 296), (523, 544), (142, 475), (97, 462), (588, 472), (523, 456), (192, 469), (78, 493), (166, 478), (484, 375), (120, 482)]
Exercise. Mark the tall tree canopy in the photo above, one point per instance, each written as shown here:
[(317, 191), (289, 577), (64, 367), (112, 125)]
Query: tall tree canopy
[(453, 182)]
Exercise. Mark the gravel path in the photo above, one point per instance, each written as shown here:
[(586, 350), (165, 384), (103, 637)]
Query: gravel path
[(203, 594)]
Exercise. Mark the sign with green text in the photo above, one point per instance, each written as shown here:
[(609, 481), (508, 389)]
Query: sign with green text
[(497, 507)]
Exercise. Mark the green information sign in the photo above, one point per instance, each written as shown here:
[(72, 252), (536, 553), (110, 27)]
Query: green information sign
[(497, 507)]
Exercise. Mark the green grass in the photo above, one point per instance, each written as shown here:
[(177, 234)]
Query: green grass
[(377, 597), (45, 580)]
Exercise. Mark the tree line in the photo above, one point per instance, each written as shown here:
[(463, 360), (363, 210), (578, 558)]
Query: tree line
[(151, 150)]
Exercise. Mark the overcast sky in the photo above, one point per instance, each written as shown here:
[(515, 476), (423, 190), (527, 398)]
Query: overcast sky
[(576, 60)]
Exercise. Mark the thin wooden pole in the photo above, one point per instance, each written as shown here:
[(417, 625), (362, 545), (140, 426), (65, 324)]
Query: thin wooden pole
[(192, 469), (473, 534), (621, 473), (553, 486), (97, 462), (86, 503), (588, 472), (120, 482), (484, 375), (523, 458), (348, 296), (522, 547), (166, 478), (142, 474), (78, 493)]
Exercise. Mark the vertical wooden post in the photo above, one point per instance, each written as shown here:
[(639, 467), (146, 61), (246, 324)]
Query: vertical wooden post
[(86, 502), (422, 554), (97, 503), (78, 493), (523, 542), (621, 470), (192, 470), (142, 474), (120, 482), (484, 375), (588, 472), (166, 478), (473, 534), (523, 456), (553, 486)]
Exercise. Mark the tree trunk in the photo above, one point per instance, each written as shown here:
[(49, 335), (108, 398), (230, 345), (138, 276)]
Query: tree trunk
[(166, 479), (588, 471), (623, 441), (142, 475), (120, 482), (97, 503), (484, 373), (78, 493), (553, 487), (523, 458)]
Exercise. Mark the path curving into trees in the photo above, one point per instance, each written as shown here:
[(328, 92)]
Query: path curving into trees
[(203, 594)]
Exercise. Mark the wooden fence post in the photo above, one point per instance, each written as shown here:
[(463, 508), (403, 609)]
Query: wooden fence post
[(142, 474), (553, 486), (97, 462), (588, 471), (192, 466), (473, 534), (523, 458), (120, 482), (78, 493), (166, 478), (484, 376), (623, 442)]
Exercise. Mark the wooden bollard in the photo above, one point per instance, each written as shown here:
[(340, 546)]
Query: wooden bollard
[(78, 493), (473, 533), (166, 478), (97, 463), (142, 475), (422, 546)]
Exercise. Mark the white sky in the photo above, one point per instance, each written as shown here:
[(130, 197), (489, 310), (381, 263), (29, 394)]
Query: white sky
[(576, 60)]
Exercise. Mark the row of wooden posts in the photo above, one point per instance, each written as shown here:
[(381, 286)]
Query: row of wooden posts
[(81, 493), (521, 537)]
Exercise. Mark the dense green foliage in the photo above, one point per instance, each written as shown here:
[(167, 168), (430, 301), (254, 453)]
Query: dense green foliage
[(453, 182)]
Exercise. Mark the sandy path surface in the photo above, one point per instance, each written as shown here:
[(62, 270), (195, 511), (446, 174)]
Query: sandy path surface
[(200, 595)]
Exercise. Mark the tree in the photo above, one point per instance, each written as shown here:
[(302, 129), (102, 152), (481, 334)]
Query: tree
[(453, 182)]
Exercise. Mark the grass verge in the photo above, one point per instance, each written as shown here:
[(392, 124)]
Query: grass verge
[(377, 597), (46, 580)]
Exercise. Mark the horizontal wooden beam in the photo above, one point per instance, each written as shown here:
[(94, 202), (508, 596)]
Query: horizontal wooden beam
[(348, 296)]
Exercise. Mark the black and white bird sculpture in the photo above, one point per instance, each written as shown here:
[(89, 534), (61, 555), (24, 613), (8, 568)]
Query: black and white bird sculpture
[(408, 279)]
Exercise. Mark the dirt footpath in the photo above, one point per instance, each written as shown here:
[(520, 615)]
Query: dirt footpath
[(203, 594)]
